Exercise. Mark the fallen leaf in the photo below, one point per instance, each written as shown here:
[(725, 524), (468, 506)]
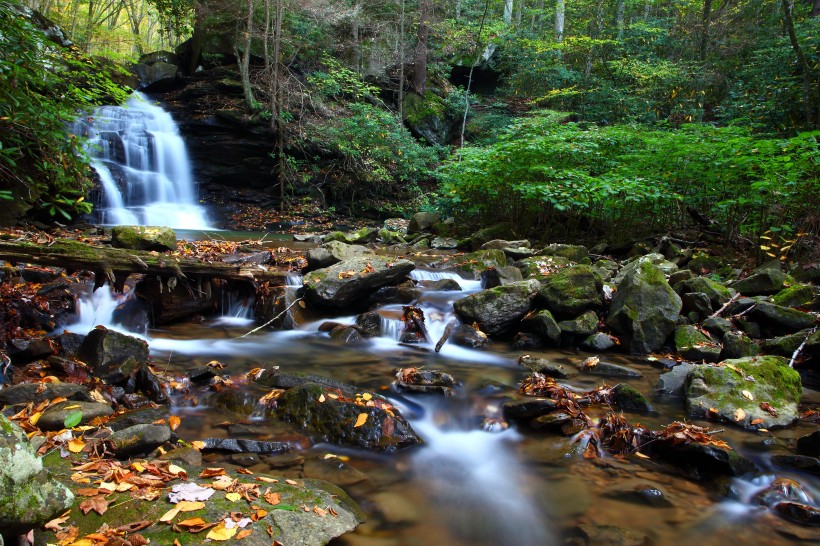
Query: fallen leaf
[(319, 511), (243, 533), (212, 472), (272, 498), (189, 492), (747, 394), (76, 445), (756, 421), (169, 515), (56, 523), (244, 471), (765, 406), (291, 482), (367, 396), (266, 479), (177, 471), (233, 497), (98, 504), (221, 533), (190, 506), (192, 522), (173, 422), (641, 455), (739, 415), (361, 419)]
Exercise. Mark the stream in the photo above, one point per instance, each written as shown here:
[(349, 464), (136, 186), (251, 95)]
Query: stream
[(469, 484)]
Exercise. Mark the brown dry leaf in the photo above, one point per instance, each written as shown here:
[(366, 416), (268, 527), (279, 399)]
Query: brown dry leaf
[(192, 522), (272, 498), (765, 406), (177, 543), (266, 479), (756, 421), (98, 504), (212, 472), (87, 492), (168, 516), (747, 394), (243, 533), (57, 523), (244, 471), (739, 414), (173, 422), (221, 533), (361, 419), (319, 511), (259, 514), (291, 482), (137, 540)]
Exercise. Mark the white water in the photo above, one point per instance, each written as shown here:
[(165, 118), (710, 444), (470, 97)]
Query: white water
[(138, 146)]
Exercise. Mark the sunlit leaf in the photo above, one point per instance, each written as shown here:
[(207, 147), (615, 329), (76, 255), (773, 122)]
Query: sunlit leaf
[(361, 419)]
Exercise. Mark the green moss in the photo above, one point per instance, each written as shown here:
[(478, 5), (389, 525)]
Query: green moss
[(418, 109), (793, 296)]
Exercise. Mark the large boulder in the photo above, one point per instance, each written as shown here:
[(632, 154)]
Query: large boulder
[(352, 281), (497, 309), (29, 497), (423, 222), (333, 252), (157, 238), (666, 267), (779, 319), (644, 309), (339, 419), (572, 290), (694, 345), (763, 283), (762, 390), (716, 292), (574, 253), (361, 236), (795, 296), (113, 356), (473, 265), (540, 267)]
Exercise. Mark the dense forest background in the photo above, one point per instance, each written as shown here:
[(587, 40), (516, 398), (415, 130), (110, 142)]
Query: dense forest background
[(570, 118)]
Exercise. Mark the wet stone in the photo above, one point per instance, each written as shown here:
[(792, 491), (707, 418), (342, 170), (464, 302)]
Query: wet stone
[(673, 382), (37, 392), (139, 439), (607, 369), (627, 398), (334, 470), (527, 409), (245, 459), (346, 334), (239, 446), (598, 342), (803, 463), (370, 324), (186, 455), (442, 285), (639, 492), (54, 416), (544, 367), (201, 375), (593, 534), (799, 513), (141, 416), (809, 444), (523, 341)]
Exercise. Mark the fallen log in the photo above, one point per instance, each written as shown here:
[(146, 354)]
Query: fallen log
[(115, 264)]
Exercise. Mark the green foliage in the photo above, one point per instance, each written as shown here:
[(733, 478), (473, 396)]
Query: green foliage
[(340, 82), (627, 178), (41, 90)]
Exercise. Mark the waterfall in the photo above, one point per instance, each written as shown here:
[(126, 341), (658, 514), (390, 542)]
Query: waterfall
[(143, 166)]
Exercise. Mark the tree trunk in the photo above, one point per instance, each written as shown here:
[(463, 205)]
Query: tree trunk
[(420, 64), (706, 22), (244, 60), (278, 98), (619, 18), (595, 31), (401, 59), (802, 64), (815, 8), (508, 11), (560, 13)]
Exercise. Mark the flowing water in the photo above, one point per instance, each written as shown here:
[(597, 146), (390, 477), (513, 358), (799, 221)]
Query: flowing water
[(143, 166), (465, 485)]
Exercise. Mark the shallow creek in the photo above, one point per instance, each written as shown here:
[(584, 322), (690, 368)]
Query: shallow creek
[(465, 486)]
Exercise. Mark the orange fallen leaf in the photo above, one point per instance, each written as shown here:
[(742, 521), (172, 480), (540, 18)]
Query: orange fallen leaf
[(98, 504), (75, 445), (272, 498), (243, 533), (192, 522), (173, 422), (212, 472), (361, 419)]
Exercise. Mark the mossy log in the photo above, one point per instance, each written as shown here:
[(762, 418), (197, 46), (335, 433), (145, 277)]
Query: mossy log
[(115, 265)]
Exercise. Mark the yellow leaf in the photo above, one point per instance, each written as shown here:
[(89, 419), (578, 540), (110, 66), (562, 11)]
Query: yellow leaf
[(138, 467), (367, 396), (174, 469), (233, 497), (321, 398), (169, 515), (360, 420), (221, 533), (108, 486), (190, 506), (244, 533), (173, 422), (75, 445), (198, 445), (34, 418)]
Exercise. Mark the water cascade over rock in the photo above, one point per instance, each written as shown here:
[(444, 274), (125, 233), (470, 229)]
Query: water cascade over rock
[(143, 166)]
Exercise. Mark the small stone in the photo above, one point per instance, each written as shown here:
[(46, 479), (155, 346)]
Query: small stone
[(54, 416), (608, 369), (544, 366), (139, 439), (598, 342), (627, 398), (527, 409), (239, 446)]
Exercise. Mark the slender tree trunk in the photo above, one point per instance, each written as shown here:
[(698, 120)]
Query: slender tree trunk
[(560, 13), (244, 59), (401, 60), (595, 31), (802, 64), (420, 64), (619, 18), (267, 33), (278, 98), (706, 22), (75, 11), (476, 58), (508, 11)]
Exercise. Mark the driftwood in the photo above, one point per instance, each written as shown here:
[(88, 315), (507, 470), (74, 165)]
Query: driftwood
[(115, 264)]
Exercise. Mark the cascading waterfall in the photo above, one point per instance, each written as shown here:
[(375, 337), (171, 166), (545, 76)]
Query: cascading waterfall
[(143, 166)]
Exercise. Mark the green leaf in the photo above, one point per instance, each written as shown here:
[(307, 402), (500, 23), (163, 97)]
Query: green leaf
[(73, 419)]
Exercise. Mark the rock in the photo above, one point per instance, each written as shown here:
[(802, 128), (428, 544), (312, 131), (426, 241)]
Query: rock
[(442, 285), (157, 238), (794, 296), (351, 282), (389, 237), (598, 342), (693, 345), (361, 236), (22, 351), (333, 252), (113, 356), (802, 463), (334, 470), (70, 342), (809, 444), (556, 421), (501, 244), (29, 497), (500, 276), (594, 534), (523, 341), (54, 416), (309, 407), (608, 369), (680, 276), (543, 366), (644, 310), (444, 243), (346, 334), (471, 266), (722, 388), (542, 324), (201, 375), (158, 76), (626, 398), (464, 335), (139, 439), (798, 512), (639, 492), (370, 324), (673, 382), (704, 460), (785, 345), (574, 253), (717, 326), (497, 309), (248, 258), (529, 409), (738, 345), (404, 293), (666, 267), (504, 230), (24, 393), (425, 381), (572, 290), (146, 382), (585, 325), (696, 304), (186, 455), (763, 283), (714, 291), (234, 445), (782, 319), (702, 263), (423, 222), (539, 267)]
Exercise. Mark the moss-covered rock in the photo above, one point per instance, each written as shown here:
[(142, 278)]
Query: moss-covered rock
[(29, 496), (645, 309), (472, 265), (360, 236), (504, 230), (738, 345), (497, 309), (314, 408), (785, 345), (544, 325), (702, 263), (627, 398), (794, 296), (427, 117), (723, 392), (423, 222), (584, 325), (666, 267), (574, 253), (778, 319), (716, 292), (157, 238), (763, 283), (540, 267), (694, 345), (111, 355), (572, 290)]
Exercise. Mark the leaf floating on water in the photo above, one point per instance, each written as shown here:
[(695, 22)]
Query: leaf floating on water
[(221, 533), (747, 394), (361, 419), (739, 414)]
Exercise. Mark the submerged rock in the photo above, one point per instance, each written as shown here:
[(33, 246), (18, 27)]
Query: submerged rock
[(644, 310), (769, 398), (234, 445), (29, 496)]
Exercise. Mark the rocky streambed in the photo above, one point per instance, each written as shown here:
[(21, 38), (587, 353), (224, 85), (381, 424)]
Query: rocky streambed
[(409, 387)]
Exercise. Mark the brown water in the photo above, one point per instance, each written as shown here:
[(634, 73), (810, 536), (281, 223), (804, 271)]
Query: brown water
[(465, 486)]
